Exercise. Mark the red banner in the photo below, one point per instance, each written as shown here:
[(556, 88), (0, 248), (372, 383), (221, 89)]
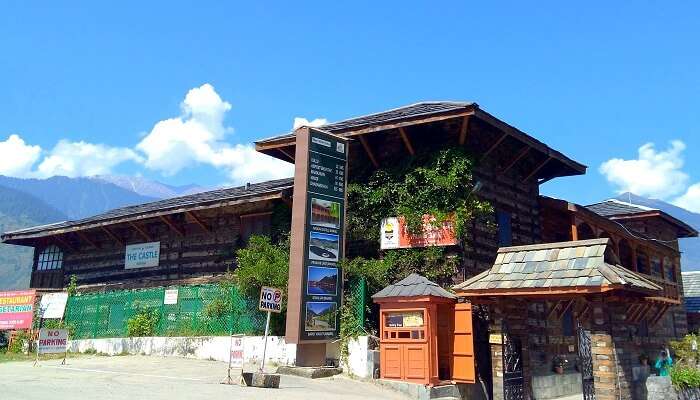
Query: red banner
[(17, 309), (395, 234)]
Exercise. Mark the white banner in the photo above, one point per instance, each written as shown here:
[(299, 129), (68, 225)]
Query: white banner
[(52, 341), (142, 255), (54, 305)]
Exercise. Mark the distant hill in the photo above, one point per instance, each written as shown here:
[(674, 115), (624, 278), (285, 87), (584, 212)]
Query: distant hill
[(690, 260), (76, 197), (20, 210), (149, 188)]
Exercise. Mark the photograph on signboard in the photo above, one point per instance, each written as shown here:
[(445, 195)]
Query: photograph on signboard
[(325, 213), (320, 316), (322, 281), (323, 246)]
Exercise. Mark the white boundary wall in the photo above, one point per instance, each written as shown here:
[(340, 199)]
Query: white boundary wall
[(203, 348), (217, 348)]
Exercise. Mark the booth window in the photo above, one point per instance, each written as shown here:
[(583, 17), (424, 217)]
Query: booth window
[(50, 258), (255, 224), (404, 325), (505, 233)]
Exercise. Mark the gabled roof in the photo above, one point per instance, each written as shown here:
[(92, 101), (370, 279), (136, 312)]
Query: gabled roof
[(412, 286), (428, 111), (203, 200), (618, 210), (564, 267)]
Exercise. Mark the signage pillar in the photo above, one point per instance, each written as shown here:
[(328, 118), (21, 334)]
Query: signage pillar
[(317, 244)]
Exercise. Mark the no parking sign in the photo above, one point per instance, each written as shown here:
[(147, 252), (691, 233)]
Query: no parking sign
[(270, 300)]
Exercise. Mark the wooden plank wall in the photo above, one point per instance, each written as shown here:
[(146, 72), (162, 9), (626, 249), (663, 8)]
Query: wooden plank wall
[(198, 253)]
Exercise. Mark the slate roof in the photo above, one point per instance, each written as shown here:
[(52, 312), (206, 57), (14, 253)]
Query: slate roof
[(395, 114), (576, 264), (691, 290), (194, 201), (413, 285), (612, 207)]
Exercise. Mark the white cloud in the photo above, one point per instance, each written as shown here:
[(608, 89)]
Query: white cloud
[(654, 173), (74, 159), (197, 137), (299, 122), (690, 200), (17, 157)]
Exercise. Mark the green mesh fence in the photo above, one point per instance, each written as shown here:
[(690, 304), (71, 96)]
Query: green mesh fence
[(358, 290), (200, 310)]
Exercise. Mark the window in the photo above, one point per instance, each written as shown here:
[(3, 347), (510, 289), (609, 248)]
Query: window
[(642, 263), (567, 323), (50, 258), (669, 269), (255, 224), (656, 266), (505, 234)]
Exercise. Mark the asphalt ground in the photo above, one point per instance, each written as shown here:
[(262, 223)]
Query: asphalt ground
[(158, 378)]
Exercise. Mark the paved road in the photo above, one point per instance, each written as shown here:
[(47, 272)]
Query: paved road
[(155, 378)]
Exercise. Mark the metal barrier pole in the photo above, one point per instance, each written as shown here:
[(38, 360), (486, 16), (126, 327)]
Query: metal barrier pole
[(267, 329)]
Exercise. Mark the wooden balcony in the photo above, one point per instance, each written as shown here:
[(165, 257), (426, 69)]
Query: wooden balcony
[(670, 289)]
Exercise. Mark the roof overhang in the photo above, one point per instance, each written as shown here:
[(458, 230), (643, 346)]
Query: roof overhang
[(283, 146)]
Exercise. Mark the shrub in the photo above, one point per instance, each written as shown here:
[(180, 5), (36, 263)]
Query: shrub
[(17, 344), (144, 323), (685, 377)]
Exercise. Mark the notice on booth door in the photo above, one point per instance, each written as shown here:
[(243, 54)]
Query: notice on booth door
[(52, 341), (270, 300)]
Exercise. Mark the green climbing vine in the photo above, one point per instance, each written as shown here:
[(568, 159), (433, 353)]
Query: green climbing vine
[(441, 184)]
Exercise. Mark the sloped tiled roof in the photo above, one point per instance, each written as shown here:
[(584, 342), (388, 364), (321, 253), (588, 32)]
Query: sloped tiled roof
[(691, 290), (198, 200), (612, 207), (578, 264), (413, 285)]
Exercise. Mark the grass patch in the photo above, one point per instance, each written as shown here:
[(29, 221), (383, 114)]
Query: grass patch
[(15, 357)]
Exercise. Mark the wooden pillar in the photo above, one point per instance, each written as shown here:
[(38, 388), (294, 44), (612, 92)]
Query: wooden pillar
[(574, 229)]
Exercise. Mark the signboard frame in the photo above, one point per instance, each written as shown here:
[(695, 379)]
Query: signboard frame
[(137, 261), (318, 237)]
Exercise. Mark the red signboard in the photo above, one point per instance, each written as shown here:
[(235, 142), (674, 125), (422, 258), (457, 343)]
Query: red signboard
[(395, 234), (16, 309)]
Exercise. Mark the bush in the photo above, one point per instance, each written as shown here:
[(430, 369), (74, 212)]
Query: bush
[(685, 377), (144, 323), (17, 345)]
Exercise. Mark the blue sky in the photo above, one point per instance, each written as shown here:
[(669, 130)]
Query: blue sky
[(595, 82)]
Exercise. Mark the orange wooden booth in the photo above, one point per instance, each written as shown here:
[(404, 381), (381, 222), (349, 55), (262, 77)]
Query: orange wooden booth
[(425, 336)]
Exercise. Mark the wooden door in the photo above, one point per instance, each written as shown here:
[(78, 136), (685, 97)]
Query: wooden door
[(463, 370)]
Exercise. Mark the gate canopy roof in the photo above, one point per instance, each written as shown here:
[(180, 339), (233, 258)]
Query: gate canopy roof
[(576, 267), (413, 285)]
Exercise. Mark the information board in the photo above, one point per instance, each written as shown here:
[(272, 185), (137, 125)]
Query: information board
[(53, 305), (170, 296), (315, 289), (17, 309)]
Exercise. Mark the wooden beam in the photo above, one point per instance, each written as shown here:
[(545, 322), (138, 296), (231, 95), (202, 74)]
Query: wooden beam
[(494, 146), (553, 310), (658, 316), (284, 152), (64, 243), (365, 145), (172, 226), (463, 130), (198, 221), (406, 141), (82, 236), (517, 158), (565, 309), (113, 235), (140, 231), (574, 228), (539, 167)]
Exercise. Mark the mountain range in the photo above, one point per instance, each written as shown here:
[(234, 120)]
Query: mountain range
[(29, 202)]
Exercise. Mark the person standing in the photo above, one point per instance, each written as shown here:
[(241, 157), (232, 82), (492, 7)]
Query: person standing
[(664, 363)]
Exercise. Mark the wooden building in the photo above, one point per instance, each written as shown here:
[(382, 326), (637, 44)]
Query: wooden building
[(627, 302), (197, 235)]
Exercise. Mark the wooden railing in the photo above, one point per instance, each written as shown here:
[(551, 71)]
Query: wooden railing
[(670, 289)]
